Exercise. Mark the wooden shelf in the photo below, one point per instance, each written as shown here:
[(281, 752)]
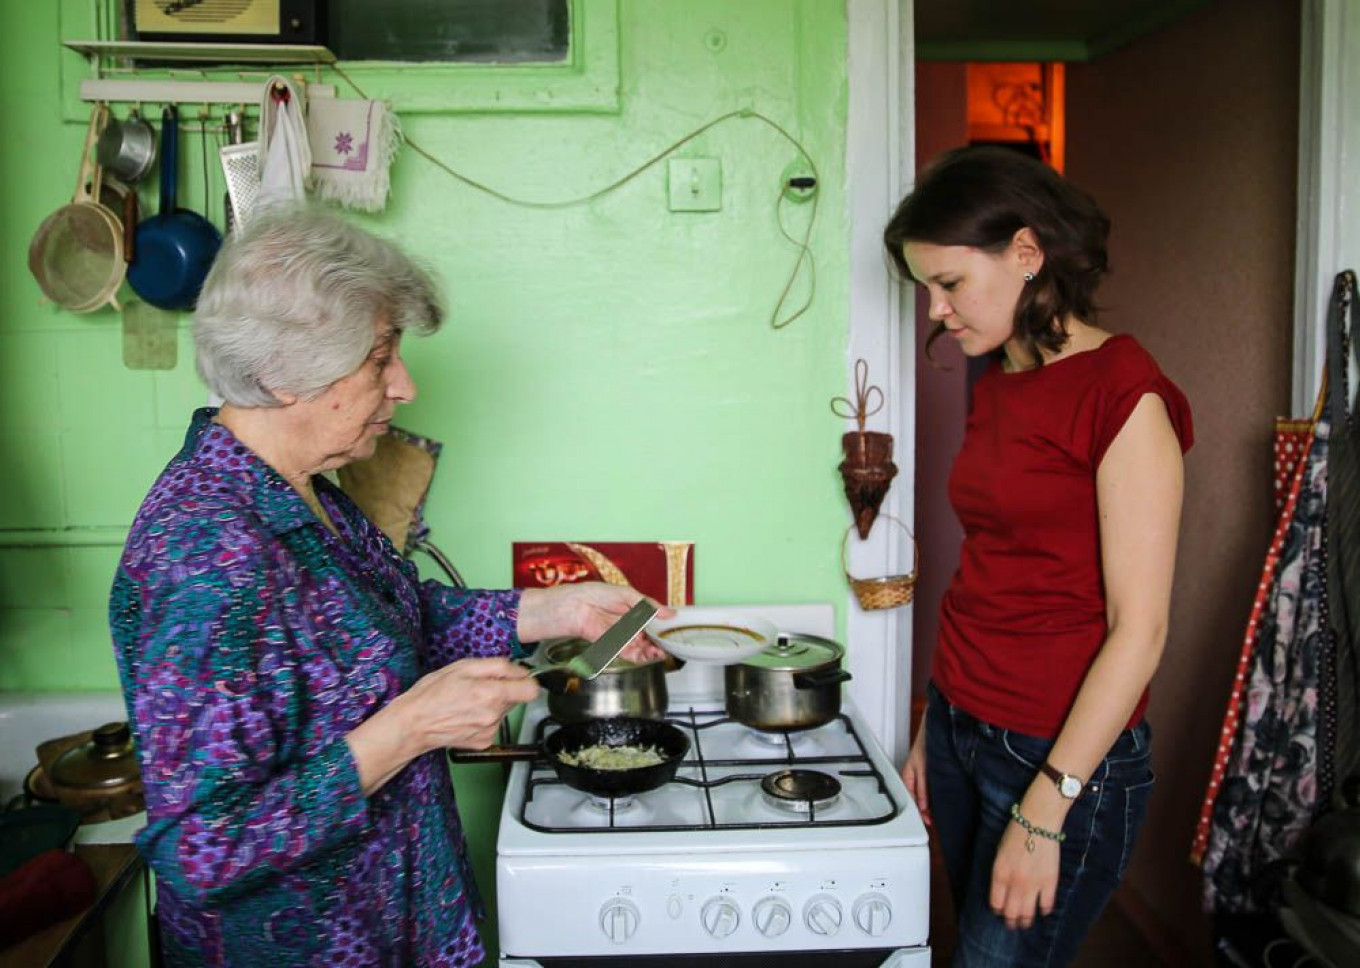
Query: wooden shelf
[(204, 53)]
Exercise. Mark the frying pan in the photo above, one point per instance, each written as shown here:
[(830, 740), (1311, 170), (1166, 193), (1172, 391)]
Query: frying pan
[(175, 247), (670, 741)]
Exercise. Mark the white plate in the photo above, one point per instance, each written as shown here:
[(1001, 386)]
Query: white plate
[(711, 635)]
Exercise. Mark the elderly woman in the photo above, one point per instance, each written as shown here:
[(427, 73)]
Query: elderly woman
[(290, 681)]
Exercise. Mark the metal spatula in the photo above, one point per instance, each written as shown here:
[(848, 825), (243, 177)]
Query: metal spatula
[(594, 659)]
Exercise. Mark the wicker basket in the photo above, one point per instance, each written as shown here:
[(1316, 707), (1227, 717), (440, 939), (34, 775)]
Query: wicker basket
[(892, 591)]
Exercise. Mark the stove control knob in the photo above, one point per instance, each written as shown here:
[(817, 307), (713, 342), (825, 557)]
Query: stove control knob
[(772, 917), (823, 915), (873, 914), (720, 916), (619, 920)]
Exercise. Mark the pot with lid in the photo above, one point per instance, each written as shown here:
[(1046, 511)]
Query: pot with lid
[(624, 688), (100, 774), (791, 685)]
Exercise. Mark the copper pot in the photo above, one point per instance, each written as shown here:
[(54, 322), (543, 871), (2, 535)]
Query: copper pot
[(100, 775)]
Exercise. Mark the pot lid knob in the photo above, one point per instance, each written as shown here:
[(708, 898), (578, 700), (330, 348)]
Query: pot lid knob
[(111, 741)]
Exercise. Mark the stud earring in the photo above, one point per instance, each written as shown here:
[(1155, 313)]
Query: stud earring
[(1029, 277)]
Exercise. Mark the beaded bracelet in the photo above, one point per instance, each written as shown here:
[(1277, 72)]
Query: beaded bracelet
[(1030, 830)]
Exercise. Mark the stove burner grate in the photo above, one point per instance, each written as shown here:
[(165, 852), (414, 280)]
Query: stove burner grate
[(850, 764), (800, 791)]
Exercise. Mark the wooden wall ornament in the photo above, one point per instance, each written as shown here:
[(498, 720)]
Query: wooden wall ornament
[(868, 468)]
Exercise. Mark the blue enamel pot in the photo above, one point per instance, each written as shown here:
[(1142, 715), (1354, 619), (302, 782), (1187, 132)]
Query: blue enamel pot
[(175, 247)]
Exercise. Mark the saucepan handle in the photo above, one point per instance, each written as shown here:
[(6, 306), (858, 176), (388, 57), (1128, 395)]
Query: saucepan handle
[(816, 678)]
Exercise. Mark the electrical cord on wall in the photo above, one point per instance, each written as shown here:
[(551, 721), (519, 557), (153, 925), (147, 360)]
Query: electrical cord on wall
[(803, 183), (803, 251)]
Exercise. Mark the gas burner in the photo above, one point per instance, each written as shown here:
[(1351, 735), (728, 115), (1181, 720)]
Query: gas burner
[(605, 805), (800, 791), (779, 738)]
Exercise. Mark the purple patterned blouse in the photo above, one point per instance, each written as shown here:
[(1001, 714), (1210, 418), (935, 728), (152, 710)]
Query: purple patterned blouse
[(250, 639)]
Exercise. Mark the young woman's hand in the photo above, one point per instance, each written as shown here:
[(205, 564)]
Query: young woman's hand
[(1024, 881), (914, 773)]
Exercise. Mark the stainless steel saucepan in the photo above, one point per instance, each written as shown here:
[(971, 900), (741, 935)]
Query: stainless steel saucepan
[(791, 685), (623, 689), (127, 148)]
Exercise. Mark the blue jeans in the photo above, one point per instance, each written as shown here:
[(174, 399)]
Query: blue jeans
[(974, 772)]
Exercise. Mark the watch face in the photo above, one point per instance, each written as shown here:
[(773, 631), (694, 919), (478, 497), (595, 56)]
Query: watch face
[(1069, 786)]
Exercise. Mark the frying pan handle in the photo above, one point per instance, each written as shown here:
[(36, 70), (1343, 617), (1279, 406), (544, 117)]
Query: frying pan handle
[(820, 677), (496, 754), (169, 158)]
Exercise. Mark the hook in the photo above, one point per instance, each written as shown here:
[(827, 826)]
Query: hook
[(868, 398)]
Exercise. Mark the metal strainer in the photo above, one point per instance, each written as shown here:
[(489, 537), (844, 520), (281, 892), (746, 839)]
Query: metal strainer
[(77, 253)]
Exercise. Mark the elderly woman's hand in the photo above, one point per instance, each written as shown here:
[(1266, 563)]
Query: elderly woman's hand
[(460, 705), (585, 610)]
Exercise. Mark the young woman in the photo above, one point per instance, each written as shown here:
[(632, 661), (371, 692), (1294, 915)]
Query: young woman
[(1033, 760)]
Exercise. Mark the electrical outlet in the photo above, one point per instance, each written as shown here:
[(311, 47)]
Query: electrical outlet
[(800, 184), (695, 184)]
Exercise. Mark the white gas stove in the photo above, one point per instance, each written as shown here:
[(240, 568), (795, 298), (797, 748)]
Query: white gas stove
[(798, 849)]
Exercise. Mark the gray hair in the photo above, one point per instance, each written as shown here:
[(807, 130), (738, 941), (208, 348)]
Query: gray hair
[(290, 303)]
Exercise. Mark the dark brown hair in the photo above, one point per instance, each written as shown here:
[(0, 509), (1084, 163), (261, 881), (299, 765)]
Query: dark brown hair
[(980, 197)]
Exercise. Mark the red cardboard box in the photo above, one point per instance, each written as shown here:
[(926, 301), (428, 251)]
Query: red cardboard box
[(663, 570)]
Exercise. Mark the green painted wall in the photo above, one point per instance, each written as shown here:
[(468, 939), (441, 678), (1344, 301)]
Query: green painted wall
[(608, 370)]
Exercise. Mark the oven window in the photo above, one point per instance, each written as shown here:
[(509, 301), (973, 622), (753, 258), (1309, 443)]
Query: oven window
[(464, 31)]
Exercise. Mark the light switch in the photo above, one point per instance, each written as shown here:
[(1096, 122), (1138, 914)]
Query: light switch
[(695, 184)]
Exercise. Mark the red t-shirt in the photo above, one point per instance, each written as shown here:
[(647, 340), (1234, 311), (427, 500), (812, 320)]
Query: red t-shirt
[(1024, 616)]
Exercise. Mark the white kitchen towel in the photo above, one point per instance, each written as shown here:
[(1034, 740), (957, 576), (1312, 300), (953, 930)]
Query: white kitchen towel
[(285, 154), (353, 143)]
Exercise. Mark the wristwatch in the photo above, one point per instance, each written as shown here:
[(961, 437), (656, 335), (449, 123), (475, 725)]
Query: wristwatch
[(1068, 785)]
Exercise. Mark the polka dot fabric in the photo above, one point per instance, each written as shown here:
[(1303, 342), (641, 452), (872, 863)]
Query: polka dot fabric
[(1293, 443), (250, 640), (1292, 440), (1264, 786)]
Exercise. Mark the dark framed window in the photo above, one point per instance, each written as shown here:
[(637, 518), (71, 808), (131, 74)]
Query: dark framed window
[(463, 31)]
